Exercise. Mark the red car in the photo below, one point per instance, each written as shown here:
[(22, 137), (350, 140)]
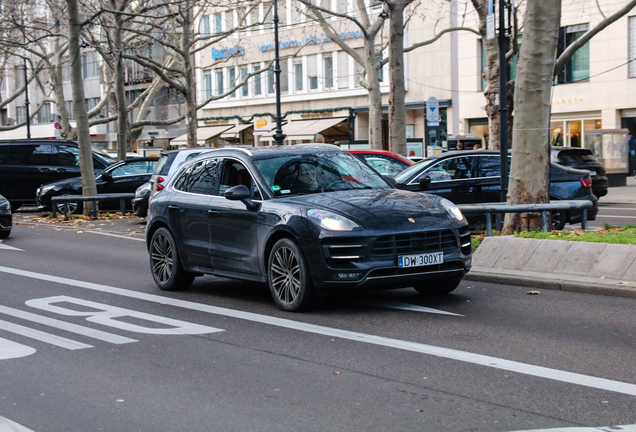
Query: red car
[(384, 162)]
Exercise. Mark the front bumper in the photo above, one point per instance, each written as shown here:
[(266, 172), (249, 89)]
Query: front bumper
[(350, 263), (6, 222)]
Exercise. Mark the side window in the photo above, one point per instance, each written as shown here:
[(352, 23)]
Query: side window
[(385, 166), (3, 154), (200, 178), (489, 166), (67, 156), (30, 154), (451, 169), (234, 174), (134, 168)]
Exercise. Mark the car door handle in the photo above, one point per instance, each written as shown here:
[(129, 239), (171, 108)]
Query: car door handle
[(61, 170), (465, 190), (173, 207), (213, 213), (44, 170)]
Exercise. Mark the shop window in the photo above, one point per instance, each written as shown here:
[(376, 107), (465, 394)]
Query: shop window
[(578, 68), (343, 69), (312, 72)]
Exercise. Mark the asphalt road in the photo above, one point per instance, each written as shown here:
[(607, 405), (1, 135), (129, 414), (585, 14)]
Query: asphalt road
[(614, 214), (87, 342)]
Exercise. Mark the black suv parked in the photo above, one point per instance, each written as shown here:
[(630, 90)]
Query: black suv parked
[(26, 164), (582, 158)]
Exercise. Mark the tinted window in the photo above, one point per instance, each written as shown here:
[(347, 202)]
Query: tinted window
[(163, 166), (456, 168), (235, 174), (134, 168), (384, 165), (3, 154), (30, 154), (200, 178), (489, 166), (575, 158), (66, 156)]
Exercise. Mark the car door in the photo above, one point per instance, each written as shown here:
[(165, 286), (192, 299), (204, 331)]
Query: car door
[(125, 178), (189, 211), (488, 179), (451, 178), (233, 228), (28, 166), (65, 161)]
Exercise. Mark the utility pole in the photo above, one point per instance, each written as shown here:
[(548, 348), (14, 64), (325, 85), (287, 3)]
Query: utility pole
[(279, 136), (26, 101)]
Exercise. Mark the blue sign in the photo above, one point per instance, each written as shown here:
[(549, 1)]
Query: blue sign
[(310, 40), (432, 110), (227, 52)]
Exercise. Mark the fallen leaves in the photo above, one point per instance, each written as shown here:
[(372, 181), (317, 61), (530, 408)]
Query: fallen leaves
[(533, 292)]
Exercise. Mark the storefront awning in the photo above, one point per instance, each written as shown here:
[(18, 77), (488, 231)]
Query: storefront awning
[(38, 131), (203, 134), (234, 131), (298, 129)]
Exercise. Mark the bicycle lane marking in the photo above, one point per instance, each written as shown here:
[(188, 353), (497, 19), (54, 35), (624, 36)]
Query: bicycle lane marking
[(463, 356)]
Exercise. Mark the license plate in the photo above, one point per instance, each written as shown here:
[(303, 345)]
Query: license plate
[(420, 259), (592, 173)]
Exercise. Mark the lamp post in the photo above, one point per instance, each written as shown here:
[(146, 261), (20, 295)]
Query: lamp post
[(279, 136), (26, 101), (503, 103)]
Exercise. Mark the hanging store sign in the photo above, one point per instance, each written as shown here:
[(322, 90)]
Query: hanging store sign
[(310, 40), (227, 52)]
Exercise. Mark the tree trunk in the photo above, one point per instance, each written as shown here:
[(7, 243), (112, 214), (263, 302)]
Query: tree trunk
[(375, 98), (120, 92), (530, 168), (190, 79), (81, 116), (397, 103)]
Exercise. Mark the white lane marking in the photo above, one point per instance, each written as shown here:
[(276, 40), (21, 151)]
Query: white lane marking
[(7, 425), (62, 325), (614, 216), (42, 336), (10, 350), (402, 306), (615, 208), (4, 246), (622, 428), (478, 359), (116, 235)]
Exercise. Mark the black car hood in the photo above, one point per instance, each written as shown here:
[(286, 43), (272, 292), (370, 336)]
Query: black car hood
[(381, 208), (69, 183)]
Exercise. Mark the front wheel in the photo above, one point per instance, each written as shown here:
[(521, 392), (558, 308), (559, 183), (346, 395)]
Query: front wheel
[(289, 277), (558, 220), (165, 264), (441, 286), (74, 207)]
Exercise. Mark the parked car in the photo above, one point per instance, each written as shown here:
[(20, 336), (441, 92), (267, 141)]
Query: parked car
[(5, 218), (474, 177), (140, 202), (27, 164), (168, 164), (121, 177), (384, 162), (309, 220), (582, 158)]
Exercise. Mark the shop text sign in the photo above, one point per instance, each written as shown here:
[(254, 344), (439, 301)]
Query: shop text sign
[(227, 52), (310, 40)]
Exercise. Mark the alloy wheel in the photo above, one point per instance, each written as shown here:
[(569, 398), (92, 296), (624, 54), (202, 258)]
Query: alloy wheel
[(161, 258), (285, 275)]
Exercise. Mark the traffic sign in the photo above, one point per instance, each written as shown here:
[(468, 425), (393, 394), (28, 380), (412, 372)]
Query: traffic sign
[(57, 125), (432, 109)]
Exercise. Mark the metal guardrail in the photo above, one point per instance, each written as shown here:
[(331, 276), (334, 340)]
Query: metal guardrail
[(499, 207), (122, 197)]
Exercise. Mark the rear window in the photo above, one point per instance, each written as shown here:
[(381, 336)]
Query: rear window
[(576, 157), (163, 166)]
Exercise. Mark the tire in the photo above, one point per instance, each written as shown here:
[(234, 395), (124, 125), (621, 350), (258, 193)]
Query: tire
[(438, 287), (165, 264), (558, 220), (289, 277), (74, 207), (5, 234), (15, 206)]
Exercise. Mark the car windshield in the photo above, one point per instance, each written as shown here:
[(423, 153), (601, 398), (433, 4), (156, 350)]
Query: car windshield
[(314, 173), (104, 155), (415, 168)]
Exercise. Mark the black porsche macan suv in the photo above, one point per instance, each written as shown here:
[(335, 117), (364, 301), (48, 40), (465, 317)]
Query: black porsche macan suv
[(309, 220)]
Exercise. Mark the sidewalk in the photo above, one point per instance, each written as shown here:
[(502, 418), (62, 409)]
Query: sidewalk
[(621, 194)]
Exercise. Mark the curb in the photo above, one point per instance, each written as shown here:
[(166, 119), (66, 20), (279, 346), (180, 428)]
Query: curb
[(596, 288)]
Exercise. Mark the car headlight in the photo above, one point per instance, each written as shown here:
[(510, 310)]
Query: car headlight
[(144, 188), (452, 209), (331, 221), (5, 207)]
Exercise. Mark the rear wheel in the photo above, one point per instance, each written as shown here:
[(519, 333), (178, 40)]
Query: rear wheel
[(558, 220), (289, 277), (15, 206), (441, 286), (165, 264)]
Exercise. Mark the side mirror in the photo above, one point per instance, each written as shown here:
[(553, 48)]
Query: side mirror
[(424, 181), (243, 194), (107, 176)]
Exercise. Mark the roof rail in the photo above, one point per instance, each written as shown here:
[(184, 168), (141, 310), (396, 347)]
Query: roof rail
[(246, 151), (319, 145)]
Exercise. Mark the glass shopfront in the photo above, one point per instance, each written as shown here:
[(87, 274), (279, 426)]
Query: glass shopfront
[(571, 133)]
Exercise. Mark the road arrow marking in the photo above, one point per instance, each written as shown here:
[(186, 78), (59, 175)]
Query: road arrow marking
[(403, 306), (3, 246)]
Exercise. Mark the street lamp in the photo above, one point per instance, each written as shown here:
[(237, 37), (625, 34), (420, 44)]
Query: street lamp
[(279, 136)]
